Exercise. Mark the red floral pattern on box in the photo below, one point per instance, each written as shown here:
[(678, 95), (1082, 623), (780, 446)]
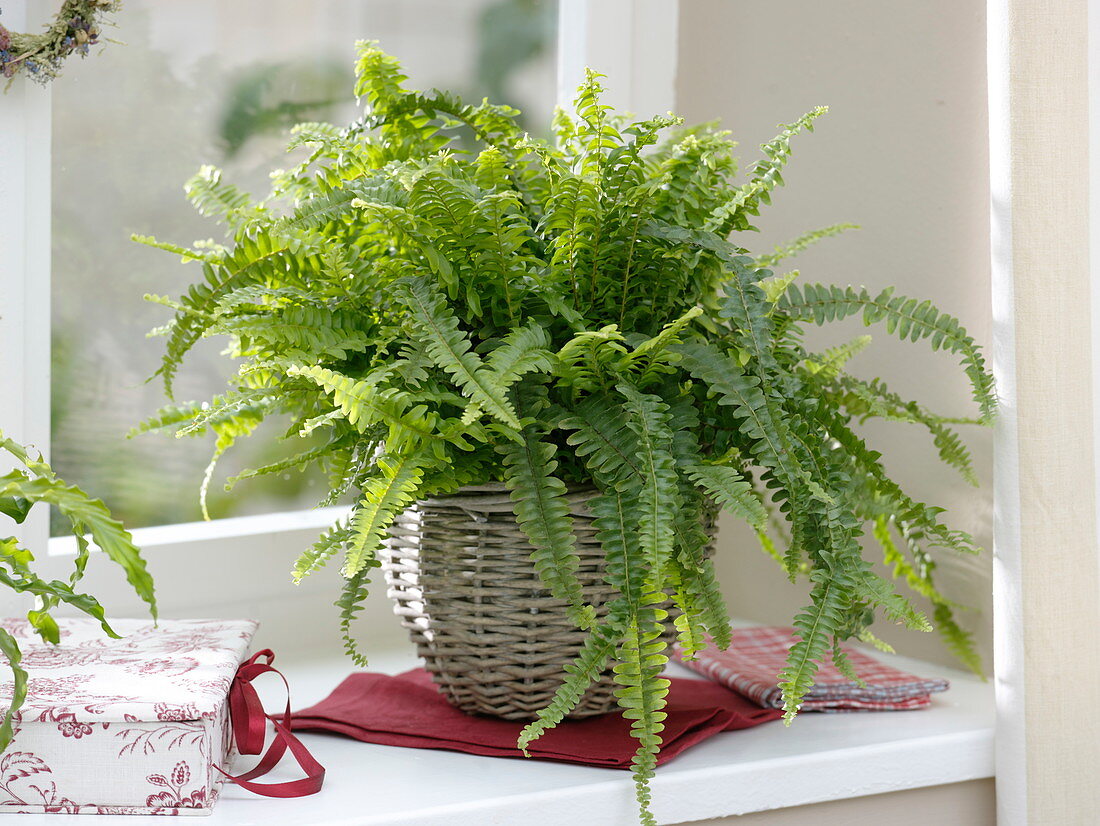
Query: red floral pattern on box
[(150, 708)]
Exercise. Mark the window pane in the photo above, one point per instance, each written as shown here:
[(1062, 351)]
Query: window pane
[(213, 82)]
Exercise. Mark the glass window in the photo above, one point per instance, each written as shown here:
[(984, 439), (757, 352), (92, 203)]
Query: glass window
[(214, 82)]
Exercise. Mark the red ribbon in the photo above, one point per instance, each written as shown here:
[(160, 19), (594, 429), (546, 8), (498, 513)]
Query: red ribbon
[(249, 724)]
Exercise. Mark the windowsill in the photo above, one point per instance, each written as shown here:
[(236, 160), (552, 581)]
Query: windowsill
[(821, 757), (232, 527)]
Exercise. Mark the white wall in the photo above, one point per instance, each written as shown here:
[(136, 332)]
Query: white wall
[(904, 153)]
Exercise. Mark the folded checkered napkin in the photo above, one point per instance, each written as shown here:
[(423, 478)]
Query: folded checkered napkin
[(753, 662)]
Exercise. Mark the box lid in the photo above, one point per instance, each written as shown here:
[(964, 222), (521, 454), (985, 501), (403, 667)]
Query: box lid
[(175, 670)]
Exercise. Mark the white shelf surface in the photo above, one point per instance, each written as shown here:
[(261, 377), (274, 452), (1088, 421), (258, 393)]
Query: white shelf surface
[(821, 757)]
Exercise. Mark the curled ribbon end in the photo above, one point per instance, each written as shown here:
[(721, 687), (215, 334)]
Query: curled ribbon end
[(249, 725)]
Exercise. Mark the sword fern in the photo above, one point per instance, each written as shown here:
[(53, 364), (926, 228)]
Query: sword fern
[(578, 313)]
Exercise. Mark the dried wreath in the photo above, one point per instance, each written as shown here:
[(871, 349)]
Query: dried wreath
[(75, 29)]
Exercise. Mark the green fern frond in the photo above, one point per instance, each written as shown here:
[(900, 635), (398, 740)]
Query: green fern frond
[(309, 333), (728, 487), (227, 430), (596, 132), (696, 516), (328, 419), (542, 512), (905, 510), (878, 591), (918, 576), (602, 441), (832, 360), (587, 359), (365, 405), (383, 497), (524, 350), (690, 631), (707, 595), (873, 398), (866, 636), (260, 297), (658, 493), (844, 665), (185, 253), (180, 309), (745, 305), (328, 205), (670, 334), (599, 646), (170, 416), (642, 693), (958, 641), (900, 567), (305, 134), (491, 169), (298, 461), (502, 252), (767, 544), (571, 222), (224, 409), (808, 239), (907, 318), (816, 625), (774, 286), (255, 258), (450, 349), (652, 357), (616, 525), (766, 175), (350, 603), (213, 198), (327, 545), (759, 418)]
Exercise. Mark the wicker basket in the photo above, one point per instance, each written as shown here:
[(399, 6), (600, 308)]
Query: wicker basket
[(494, 639)]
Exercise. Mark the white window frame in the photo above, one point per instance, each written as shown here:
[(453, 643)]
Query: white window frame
[(633, 42), (614, 37), (1044, 92), (25, 266)]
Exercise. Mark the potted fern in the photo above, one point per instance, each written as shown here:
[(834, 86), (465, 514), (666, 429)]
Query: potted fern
[(535, 367), (32, 481)]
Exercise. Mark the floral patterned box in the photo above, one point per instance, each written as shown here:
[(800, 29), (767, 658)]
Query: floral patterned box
[(127, 726)]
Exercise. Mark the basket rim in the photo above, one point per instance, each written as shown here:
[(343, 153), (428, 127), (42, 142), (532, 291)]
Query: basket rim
[(497, 493)]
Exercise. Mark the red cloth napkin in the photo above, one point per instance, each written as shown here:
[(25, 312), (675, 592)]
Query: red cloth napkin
[(752, 663), (408, 710)]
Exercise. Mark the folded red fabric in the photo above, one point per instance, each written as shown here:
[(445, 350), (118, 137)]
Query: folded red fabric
[(407, 710)]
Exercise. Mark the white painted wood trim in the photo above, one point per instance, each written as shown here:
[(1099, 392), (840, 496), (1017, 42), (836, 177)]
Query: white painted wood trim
[(25, 264), (216, 531), (1046, 575), (633, 42), (1008, 637)]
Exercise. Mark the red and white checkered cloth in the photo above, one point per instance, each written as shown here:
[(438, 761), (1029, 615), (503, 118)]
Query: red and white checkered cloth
[(753, 662)]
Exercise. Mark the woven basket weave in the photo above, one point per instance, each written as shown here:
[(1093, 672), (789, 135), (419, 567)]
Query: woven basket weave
[(495, 641)]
